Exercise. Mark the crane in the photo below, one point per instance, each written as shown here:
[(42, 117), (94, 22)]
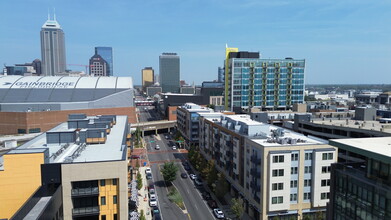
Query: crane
[(86, 66)]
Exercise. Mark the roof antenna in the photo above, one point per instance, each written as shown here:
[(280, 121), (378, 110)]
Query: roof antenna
[(48, 14), (54, 10)]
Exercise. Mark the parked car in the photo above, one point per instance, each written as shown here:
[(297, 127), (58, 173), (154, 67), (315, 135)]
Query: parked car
[(157, 147), (184, 175), (152, 196), (198, 182), (206, 195), (212, 204), (155, 211), (149, 176), (185, 163), (148, 170), (187, 167), (153, 202), (193, 176), (173, 147), (218, 213)]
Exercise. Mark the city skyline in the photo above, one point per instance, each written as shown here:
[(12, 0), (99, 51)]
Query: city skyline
[(338, 40)]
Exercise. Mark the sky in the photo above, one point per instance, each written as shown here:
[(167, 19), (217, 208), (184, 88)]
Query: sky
[(342, 41)]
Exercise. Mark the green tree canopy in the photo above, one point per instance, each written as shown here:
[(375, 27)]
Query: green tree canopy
[(237, 207), (169, 171)]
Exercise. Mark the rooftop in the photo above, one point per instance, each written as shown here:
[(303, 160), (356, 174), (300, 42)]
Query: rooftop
[(376, 147), (264, 134), (112, 149), (366, 125)]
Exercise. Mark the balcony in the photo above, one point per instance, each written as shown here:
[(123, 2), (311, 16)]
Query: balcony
[(92, 191), (86, 211)]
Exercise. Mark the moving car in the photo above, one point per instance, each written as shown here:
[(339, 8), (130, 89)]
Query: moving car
[(184, 175), (153, 202), (157, 147), (218, 213), (174, 147)]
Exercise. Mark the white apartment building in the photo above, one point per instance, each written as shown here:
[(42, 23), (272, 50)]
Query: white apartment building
[(276, 171)]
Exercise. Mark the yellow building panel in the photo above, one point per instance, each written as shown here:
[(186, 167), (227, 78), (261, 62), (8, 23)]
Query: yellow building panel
[(20, 178), (109, 190)]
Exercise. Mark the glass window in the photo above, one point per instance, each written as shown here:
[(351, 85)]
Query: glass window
[(324, 196), (278, 159), (326, 169), (308, 169), (308, 156), (325, 182), (277, 186), (103, 217), (295, 157), (102, 183), (293, 170), (293, 183), (103, 200), (114, 181), (307, 196), (294, 197), (307, 183), (327, 156), (114, 199), (278, 172)]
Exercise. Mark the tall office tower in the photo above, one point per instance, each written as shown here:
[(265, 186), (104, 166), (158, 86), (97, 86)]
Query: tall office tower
[(107, 54), (262, 83), (169, 71), (52, 48), (147, 75), (220, 74), (98, 66), (157, 79)]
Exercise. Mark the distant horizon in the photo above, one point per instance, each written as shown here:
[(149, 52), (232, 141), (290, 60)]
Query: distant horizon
[(339, 41)]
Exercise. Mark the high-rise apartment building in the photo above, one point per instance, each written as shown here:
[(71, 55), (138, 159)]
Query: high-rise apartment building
[(147, 75), (361, 180), (98, 66), (169, 72), (107, 54), (278, 173), (263, 83), (52, 48)]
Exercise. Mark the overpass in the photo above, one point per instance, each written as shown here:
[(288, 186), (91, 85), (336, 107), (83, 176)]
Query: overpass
[(154, 126)]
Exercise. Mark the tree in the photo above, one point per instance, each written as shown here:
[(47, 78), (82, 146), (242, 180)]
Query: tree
[(237, 207), (142, 216), (211, 173), (139, 181), (169, 171), (222, 188)]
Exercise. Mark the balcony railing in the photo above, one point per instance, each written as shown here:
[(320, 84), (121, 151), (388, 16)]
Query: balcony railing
[(93, 210), (85, 191)]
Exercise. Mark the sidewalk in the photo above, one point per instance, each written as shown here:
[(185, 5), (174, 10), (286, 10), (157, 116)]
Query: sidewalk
[(143, 196)]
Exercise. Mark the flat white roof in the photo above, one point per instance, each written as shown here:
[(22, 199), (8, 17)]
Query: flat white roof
[(243, 118), (111, 150), (380, 146)]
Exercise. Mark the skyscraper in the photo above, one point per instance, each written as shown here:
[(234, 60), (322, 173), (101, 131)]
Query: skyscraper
[(107, 54), (52, 48), (169, 72), (147, 75), (98, 66)]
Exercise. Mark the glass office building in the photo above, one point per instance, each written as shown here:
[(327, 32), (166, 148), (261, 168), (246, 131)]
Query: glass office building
[(107, 54), (169, 72), (264, 83)]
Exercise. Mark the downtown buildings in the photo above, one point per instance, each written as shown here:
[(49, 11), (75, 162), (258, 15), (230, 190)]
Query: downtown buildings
[(169, 72), (277, 172), (262, 83), (147, 77), (52, 48), (107, 54)]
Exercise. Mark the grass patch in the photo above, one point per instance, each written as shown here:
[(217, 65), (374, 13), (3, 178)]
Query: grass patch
[(175, 197)]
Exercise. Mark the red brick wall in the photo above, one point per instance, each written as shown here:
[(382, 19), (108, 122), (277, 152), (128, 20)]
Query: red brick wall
[(10, 122), (172, 113)]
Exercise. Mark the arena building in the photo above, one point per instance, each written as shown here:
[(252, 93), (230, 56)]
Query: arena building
[(31, 104)]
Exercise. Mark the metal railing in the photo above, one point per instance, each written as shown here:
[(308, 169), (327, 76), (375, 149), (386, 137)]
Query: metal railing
[(85, 191), (85, 211)]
